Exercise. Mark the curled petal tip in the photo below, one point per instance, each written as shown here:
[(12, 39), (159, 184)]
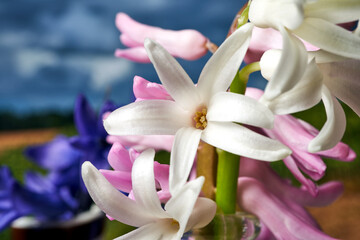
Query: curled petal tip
[(314, 148), (86, 168), (148, 43)]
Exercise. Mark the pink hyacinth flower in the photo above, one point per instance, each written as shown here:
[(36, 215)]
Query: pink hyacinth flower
[(121, 160), (291, 200), (285, 128), (145, 90), (187, 44), (140, 143), (279, 217), (264, 39)]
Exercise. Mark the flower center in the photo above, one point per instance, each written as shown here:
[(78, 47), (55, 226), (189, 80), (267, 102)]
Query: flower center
[(200, 119), (170, 224), (175, 224)]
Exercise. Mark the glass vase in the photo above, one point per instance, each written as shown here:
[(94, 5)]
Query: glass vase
[(227, 227), (87, 225)]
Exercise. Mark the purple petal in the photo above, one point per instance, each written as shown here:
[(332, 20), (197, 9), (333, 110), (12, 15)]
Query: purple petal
[(54, 155), (84, 116)]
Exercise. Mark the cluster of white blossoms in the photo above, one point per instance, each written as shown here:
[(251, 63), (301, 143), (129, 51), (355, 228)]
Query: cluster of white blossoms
[(236, 123)]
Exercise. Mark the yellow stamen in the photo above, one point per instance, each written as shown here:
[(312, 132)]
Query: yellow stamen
[(200, 119), (175, 223)]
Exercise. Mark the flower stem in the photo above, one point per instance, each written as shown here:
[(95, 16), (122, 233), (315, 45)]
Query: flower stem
[(239, 83), (226, 182), (228, 163), (206, 166)]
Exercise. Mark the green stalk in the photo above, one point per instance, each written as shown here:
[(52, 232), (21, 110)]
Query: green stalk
[(228, 163), (226, 182), (241, 79)]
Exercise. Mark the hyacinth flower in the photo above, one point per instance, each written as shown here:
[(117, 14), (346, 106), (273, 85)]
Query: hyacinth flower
[(285, 128), (278, 217), (342, 79), (60, 194), (309, 21), (40, 200), (181, 213), (145, 90), (264, 39), (63, 156), (121, 160), (339, 74), (205, 111), (279, 205), (91, 138), (188, 44), (305, 94)]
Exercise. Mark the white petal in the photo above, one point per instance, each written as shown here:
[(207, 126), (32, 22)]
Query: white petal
[(269, 62), (330, 37), (335, 11), (182, 157), (232, 107), (270, 13), (239, 140), (221, 68), (204, 211), (172, 75), (143, 184), (111, 201), (149, 231), (181, 205), (289, 69), (304, 95), (322, 56), (334, 127), (343, 79), (150, 117)]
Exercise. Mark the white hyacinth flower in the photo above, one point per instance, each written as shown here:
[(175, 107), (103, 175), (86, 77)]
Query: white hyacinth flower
[(309, 90), (204, 111), (181, 213), (312, 21)]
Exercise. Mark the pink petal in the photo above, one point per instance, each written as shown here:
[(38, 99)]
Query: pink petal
[(327, 193), (137, 54), (144, 89), (129, 42), (292, 166), (120, 180), (253, 197), (264, 39), (140, 143), (118, 158), (188, 44), (161, 172)]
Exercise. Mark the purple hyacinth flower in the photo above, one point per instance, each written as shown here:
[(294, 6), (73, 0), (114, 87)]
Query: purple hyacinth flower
[(60, 194)]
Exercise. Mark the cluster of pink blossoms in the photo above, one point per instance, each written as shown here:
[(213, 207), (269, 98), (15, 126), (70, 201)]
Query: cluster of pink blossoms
[(165, 200)]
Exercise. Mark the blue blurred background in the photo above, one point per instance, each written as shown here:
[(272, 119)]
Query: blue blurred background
[(53, 50)]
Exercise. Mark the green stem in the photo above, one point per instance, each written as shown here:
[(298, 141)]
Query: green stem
[(241, 79), (248, 69), (228, 163), (244, 17), (226, 182)]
